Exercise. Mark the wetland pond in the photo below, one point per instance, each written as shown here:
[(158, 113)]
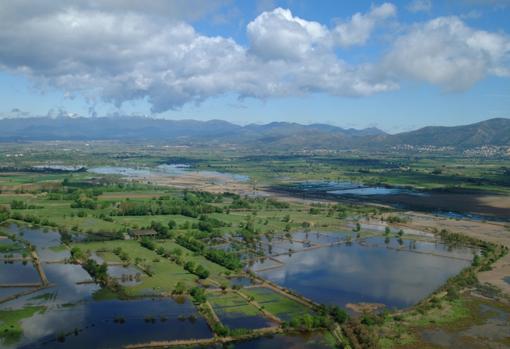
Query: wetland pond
[(458, 203), (76, 314), (73, 315), (396, 273), (169, 170)]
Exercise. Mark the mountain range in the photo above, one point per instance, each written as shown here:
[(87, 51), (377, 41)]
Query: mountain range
[(276, 134)]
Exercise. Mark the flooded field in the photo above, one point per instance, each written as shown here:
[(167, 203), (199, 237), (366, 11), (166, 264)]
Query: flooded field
[(70, 315), (350, 188), (117, 323), (304, 341), (236, 313), (170, 170), (455, 202), (373, 270), (328, 267), (17, 273), (491, 331), (125, 275), (46, 242), (294, 341)]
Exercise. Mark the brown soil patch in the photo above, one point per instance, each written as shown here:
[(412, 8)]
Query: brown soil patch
[(362, 308), (500, 270), (500, 201)]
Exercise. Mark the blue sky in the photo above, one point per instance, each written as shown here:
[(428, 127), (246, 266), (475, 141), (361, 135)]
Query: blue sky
[(396, 65)]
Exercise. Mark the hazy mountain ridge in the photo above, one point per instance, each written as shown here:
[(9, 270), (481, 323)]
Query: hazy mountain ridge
[(488, 132), (276, 134)]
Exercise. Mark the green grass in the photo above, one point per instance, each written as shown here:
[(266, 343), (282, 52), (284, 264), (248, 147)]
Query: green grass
[(144, 221), (9, 246), (217, 272), (109, 256), (275, 303), (449, 315), (165, 276), (10, 323), (231, 304), (104, 294)]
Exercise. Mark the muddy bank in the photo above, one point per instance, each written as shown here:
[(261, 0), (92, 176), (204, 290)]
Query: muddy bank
[(469, 203)]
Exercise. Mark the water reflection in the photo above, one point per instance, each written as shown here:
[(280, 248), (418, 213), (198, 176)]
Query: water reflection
[(171, 170), (112, 324), (18, 273), (125, 275), (72, 318), (45, 241), (350, 274), (350, 188)]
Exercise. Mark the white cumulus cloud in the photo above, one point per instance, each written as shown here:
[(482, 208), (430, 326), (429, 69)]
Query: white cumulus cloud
[(447, 52), (280, 35), (119, 56), (115, 51), (420, 6), (358, 29)]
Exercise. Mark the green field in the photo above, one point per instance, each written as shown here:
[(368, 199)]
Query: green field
[(166, 274), (275, 303), (231, 303), (101, 214), (10, 327)]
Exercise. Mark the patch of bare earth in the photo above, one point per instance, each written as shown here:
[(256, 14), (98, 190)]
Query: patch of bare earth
[(496, 276)]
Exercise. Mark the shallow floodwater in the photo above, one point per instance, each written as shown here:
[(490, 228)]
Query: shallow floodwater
[(125, 275), (373, 273), (18, 273), (323, 237), (454, 203), (112, 324), (9, 291), (490, 331), (74, 319), (294, 341), (45, 241), (241, 281), (171, 170), (238, 320), (281, 341), (350, 188)]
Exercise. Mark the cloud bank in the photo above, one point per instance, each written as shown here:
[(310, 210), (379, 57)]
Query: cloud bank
[(118, 51)]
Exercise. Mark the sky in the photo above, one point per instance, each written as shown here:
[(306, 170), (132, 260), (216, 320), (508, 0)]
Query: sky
[(396, 65)]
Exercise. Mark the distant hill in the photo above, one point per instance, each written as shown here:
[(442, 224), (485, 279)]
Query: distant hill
[(180, 131), (126, 128), (282, 135), (489, 132)]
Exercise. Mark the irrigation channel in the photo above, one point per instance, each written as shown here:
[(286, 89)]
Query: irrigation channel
[(301, 272)]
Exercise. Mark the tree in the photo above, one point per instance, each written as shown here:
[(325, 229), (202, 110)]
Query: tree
[(18, 205), (476, 261), (189, 266), (179, 288), (99, 272), (4, 213), (201, 272), (338, 314), (198, 295)]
